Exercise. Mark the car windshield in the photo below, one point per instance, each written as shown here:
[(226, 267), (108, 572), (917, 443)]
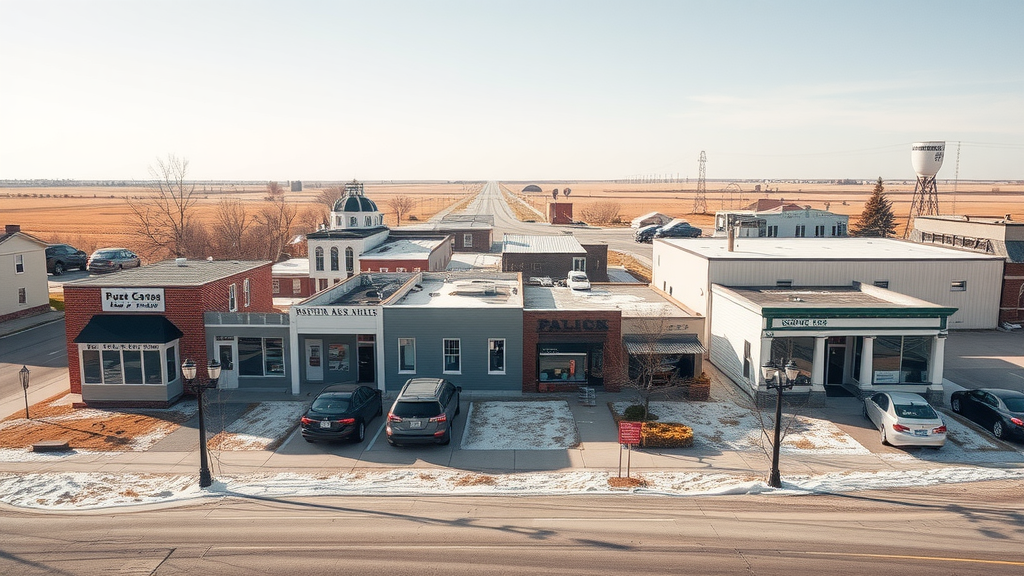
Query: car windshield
[(417, 409), (915, 411), (1014, 404), (331, 403)]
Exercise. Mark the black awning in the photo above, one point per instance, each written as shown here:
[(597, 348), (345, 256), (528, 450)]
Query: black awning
[(128, 329), (681, 344)]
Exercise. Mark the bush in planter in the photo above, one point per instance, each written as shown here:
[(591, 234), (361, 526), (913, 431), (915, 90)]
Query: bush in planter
[(698, 387), (635, 413), (666, 435)]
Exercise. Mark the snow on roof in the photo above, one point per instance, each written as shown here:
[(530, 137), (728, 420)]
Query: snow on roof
[(632, 300), (291, 266), (403, 248), (467, 290), (525, 243), (713, 248)]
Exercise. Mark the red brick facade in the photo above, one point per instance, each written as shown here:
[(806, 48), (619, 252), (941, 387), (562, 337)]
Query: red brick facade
[(560, 212), (600, 327), (1011, 303), (184, 307), (35, 310)]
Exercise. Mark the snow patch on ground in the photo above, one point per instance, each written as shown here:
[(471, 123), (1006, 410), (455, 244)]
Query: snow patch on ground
[(260, 427), (528, 425)]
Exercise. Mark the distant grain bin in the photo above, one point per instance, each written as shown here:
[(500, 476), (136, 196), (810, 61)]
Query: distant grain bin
[(532, 188), (296, 185)]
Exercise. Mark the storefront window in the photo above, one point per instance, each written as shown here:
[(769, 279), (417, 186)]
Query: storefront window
[(260, 356), (496, 356), (407, 355), (112, 367), (91, 367), (800, 350), (151, 366), (172, 365), (132, 366), (914, 366), (563, 366), (886, 359)]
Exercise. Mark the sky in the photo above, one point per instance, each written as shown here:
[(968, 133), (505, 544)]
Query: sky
[(509, 90)]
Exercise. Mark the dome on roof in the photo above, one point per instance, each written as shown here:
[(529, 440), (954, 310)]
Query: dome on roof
[(355, 204)]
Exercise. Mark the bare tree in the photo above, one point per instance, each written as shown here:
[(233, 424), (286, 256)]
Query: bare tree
[(274, 189), (273, 228), (162, 221), (402, 205), (602, 212), (325, 200), (648, 370), (232, 223)]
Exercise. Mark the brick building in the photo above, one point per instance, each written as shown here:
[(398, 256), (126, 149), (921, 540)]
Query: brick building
[(553, 256), (128, 332)]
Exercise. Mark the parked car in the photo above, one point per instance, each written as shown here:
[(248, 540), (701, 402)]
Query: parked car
[(61, 257), (577, 280), (678, 230), (340, 412), (423, 412), (645, 234), (113, 259), (998, 410), (905, 419)]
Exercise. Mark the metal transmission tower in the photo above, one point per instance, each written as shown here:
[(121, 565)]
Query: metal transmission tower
[(700, 201)]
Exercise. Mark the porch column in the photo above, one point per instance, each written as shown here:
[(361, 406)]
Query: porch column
[(294, 356), (764, 355), (935, 363), (818, 367), (866, 366)]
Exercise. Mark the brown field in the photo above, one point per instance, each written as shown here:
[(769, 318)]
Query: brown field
[(91, 217), (677, 199)]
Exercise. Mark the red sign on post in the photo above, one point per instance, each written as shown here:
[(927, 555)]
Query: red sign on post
[(629, 432)]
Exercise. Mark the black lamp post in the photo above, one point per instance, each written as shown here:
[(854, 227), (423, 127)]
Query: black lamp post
[(771, 374), (23, 376), (188, 372)]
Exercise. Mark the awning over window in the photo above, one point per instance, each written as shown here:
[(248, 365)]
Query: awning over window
[(128, 329), (681, 344)]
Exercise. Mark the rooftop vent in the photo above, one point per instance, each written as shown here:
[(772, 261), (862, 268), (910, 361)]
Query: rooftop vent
[(181, 262)]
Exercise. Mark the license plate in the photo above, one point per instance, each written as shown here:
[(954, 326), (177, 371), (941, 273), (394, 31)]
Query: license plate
[(415, 424), (920, 432), (325, 424)]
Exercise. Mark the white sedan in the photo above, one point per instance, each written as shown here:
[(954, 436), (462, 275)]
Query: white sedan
[(905, 419), (578, 280)]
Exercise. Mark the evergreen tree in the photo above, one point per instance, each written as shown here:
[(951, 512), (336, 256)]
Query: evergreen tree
[(877, 219)]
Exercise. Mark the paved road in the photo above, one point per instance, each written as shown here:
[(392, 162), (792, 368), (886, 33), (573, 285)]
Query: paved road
[(490, 201), (42, 349), (963, 530)]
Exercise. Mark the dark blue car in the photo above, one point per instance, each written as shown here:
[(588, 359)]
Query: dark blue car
[(341, 412)]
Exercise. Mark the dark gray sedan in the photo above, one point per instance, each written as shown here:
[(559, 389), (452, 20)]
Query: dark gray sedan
[(113, 259), (341, 412), (999, 410)]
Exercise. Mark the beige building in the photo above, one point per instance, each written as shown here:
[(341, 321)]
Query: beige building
[(23, 288)]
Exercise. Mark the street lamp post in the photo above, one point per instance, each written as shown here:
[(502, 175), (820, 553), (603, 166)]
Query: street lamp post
[(771, 373), (188, 372), (23, 376)]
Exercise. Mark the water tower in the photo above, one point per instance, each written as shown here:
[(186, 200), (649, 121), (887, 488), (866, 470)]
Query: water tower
[(927, 159)]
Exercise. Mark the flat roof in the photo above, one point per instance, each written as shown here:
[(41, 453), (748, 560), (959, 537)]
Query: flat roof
[(405, 248), (814, 298), (632, 300), (169, 274), (346, 233), (713, 248), (549, 244), (471, 289), (366, 289), (292, 266)]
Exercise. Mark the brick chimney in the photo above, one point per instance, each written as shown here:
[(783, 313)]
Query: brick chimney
[(12, 228)]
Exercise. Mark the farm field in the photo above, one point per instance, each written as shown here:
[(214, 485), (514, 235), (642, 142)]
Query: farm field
[(91, 217), (677, 198)]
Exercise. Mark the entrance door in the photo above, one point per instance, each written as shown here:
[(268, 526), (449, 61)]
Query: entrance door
[(835, 365), (367, 364), (226, 354), (314, 360)]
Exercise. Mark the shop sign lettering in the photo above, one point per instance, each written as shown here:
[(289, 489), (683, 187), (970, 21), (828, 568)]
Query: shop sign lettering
[(562, 325), (803, 322), (334, 311), (122, 346), (132, 299)]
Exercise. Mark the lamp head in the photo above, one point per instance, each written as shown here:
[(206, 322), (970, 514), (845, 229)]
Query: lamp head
[(792, 371), (769, 370), (23, 376), (188, 369), (213, 369)]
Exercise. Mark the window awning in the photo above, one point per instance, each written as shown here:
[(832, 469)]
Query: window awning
[(128, 329), (681, 344)]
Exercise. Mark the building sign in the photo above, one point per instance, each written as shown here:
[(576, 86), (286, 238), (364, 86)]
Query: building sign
[(629, 432), (120, 346), (800, 322), (556, 325), (887, 377), (335, 311), (132, 299)]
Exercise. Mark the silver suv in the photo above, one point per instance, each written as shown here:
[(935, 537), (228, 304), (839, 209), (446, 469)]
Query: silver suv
[(423, 412)]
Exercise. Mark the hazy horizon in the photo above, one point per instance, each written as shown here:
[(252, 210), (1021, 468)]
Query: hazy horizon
[(523, 90)]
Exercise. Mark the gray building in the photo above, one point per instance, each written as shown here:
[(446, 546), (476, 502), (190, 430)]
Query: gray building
[(465, 327)]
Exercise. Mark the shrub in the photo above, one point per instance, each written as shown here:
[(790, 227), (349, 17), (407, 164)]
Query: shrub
[(666, 435), (635, 413)]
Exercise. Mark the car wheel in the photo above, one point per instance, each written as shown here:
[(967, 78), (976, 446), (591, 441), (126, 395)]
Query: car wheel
[(997, 429), (360, 432), (392, 442), (308, 439), (58, 268), (885, 442), (864, 411), (447, 438), (380, 410), (955, 405)]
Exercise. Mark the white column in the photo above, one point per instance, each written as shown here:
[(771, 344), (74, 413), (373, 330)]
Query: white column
[(866, 366), (294, 354), (936, 362), (818, 367), (765, 355)]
